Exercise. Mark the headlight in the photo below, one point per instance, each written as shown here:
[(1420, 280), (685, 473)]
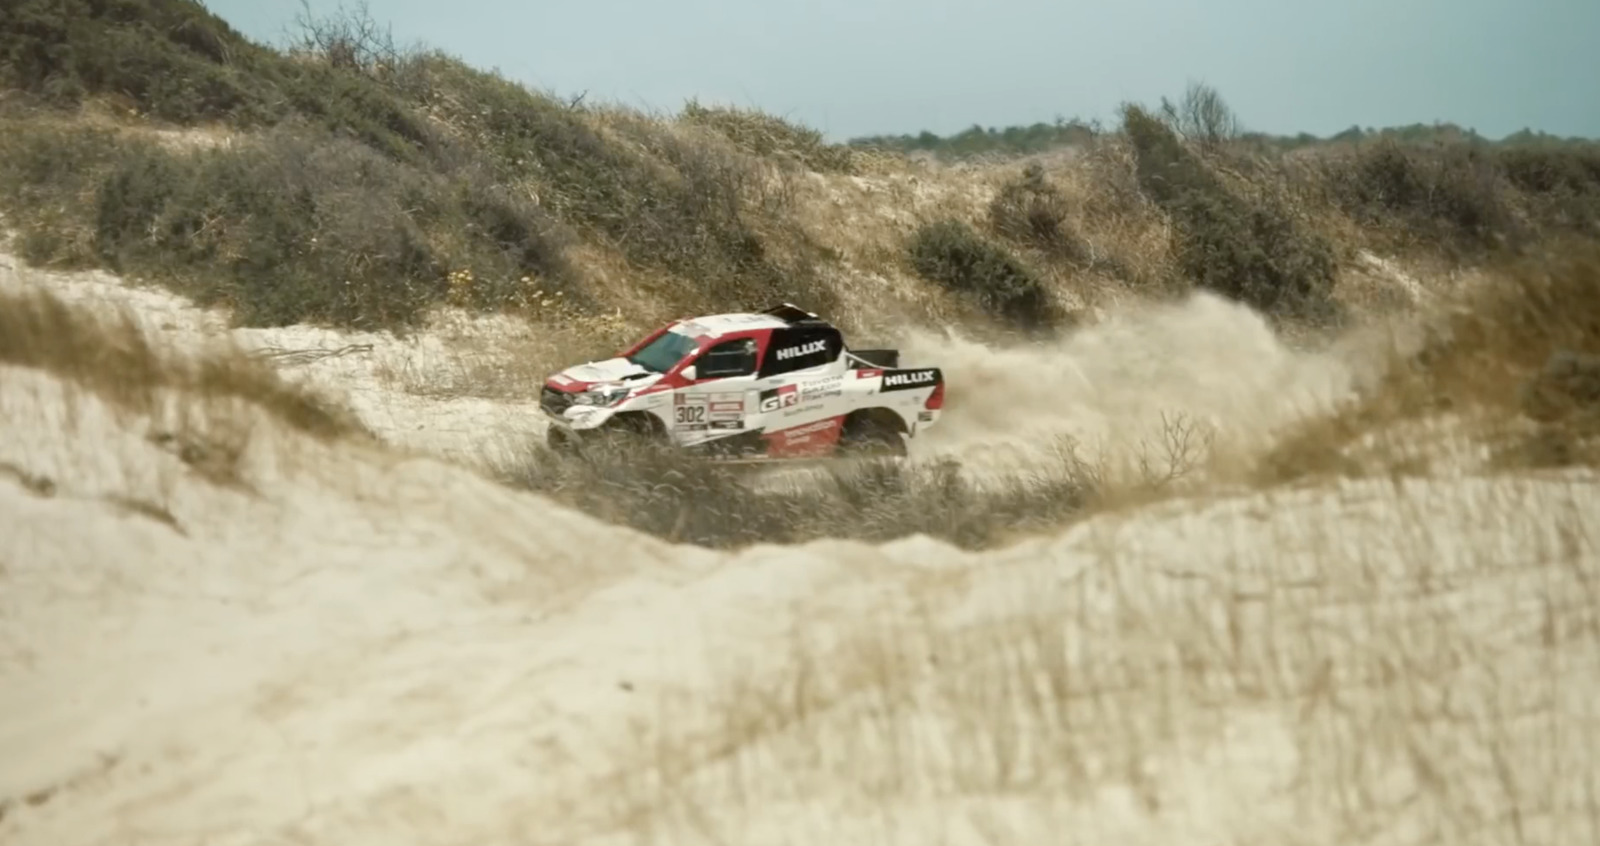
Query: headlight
[(602, 396)]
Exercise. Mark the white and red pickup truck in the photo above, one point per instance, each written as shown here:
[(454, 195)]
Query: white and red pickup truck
[(773, 385)]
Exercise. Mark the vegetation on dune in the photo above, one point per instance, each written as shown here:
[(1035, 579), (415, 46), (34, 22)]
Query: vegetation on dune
[(367, 176), (347, 181), (1250, 250), (978, 141), (954, 255), (1518, 362), (766, 135), (691, 501)]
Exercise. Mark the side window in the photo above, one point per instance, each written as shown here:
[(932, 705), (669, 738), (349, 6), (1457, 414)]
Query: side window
[(729, 358), (800, 347)]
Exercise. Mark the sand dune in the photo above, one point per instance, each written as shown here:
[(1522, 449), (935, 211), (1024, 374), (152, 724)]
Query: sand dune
[(333, 641)]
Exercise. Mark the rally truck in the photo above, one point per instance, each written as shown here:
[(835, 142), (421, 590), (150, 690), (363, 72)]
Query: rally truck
[(748, 387)]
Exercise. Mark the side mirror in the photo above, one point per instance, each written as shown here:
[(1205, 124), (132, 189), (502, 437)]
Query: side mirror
[(689, 373)]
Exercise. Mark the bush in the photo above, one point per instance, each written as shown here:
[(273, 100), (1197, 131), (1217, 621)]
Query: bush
[(293, 226), (953, 254), (765, 135), (48, 180), (1448, 191), (1248, 250), (1562, 182), (1030, 210), (430, 167), (661, 200)]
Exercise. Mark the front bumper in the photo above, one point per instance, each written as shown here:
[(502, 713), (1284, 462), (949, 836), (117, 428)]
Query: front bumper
[(562, 409)]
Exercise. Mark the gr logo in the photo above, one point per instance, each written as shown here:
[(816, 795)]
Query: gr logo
[(773, 399), (907, 380)]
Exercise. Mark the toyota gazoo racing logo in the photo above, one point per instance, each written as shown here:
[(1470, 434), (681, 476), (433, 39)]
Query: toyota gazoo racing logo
[(905, 380), (804, 349)]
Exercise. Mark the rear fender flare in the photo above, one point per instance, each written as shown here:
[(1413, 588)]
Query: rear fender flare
[(881, 415)]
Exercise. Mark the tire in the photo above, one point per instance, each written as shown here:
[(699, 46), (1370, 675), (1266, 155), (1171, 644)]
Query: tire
[(627, 432), (864, 437), (560, 441)]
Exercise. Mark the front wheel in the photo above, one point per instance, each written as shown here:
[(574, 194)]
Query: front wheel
[(561, 441)]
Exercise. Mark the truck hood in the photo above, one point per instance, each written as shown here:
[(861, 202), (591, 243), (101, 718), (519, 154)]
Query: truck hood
[(619, 370)]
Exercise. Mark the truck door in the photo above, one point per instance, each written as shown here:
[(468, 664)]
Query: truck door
[(717, 404), (798, 388)]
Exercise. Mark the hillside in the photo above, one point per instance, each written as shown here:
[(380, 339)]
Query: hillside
[(1263, 510), (350, 183)]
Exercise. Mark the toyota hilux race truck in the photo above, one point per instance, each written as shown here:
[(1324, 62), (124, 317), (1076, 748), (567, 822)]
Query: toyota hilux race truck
[(772, 385)]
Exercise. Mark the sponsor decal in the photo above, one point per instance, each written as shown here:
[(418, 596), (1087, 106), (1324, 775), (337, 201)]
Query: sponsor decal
[(773, 399), (925, 416), (805, 438), (804, 349), (810, 428), (727, 424), (719, 407), (909, 380), (868, 374), (829, 387), (798, 410)]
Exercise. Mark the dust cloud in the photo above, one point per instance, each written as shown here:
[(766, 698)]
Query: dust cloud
[(1117, 389)]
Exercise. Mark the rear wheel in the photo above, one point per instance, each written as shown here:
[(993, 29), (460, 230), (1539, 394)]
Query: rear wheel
[(871, 437)]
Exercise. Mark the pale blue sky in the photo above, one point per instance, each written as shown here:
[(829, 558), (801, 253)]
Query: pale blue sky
[(858, 67)]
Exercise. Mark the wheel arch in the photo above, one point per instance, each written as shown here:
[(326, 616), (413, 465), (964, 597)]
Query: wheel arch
[(877, 415), (640, 421)]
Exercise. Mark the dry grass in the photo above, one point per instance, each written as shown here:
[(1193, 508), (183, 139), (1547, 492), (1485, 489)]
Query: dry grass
[(1252, 673), (110, 356), (686, 500)]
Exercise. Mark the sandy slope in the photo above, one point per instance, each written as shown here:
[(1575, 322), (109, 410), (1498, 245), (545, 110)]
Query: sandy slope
[(352, 645)]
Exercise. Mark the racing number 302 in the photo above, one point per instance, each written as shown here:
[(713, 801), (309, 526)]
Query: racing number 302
[(690, 413)]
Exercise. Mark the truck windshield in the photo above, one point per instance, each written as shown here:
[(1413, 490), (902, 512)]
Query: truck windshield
[(669, 349)]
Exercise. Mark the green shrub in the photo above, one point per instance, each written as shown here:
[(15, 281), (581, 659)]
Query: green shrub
[(1030, 210), (420, 166), (1562, 182), (291, 226), (953, 254), (1248, 250), (1447, 191), (48, 180), (661, 200)]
